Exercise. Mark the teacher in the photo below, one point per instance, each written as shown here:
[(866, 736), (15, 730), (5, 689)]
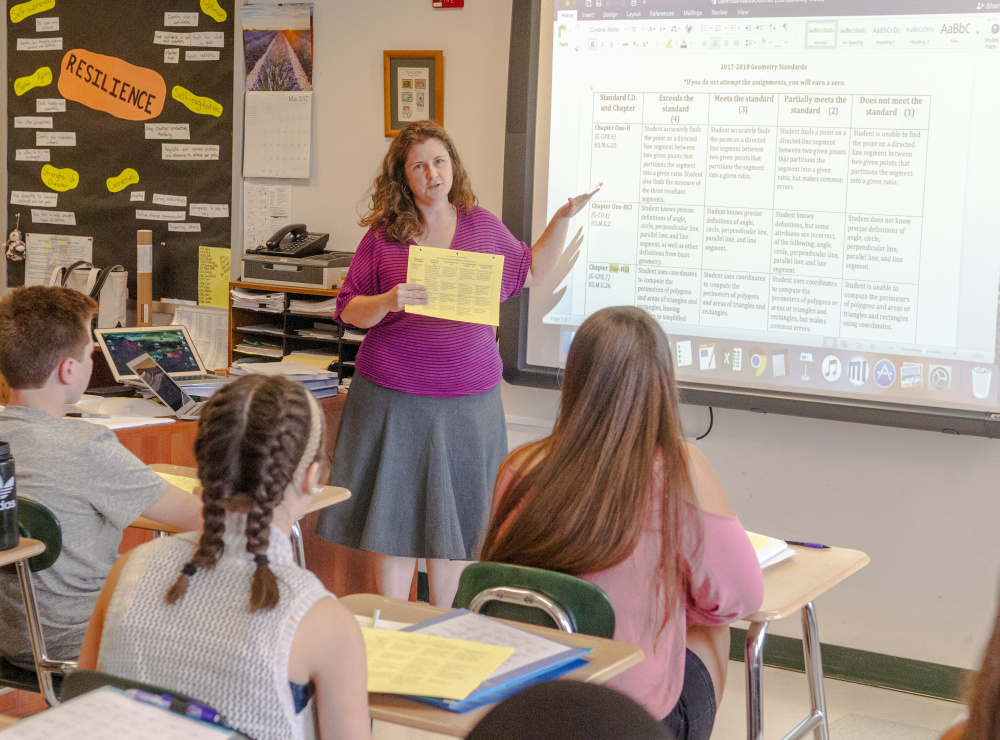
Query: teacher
[(423, 429)]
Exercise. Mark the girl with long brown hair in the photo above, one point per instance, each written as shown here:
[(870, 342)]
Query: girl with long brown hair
[(614, 495), (225, 615), (984, 695)]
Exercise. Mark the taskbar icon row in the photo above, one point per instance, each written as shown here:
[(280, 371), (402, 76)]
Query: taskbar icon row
[(810, 366)]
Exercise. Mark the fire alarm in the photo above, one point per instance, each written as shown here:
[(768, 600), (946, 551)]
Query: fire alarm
[(448, 3)]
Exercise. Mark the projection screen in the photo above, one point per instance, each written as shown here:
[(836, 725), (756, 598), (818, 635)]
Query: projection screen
[(802, 192)]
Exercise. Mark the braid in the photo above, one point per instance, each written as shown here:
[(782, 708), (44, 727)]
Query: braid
[(281, 438), (252, 437)]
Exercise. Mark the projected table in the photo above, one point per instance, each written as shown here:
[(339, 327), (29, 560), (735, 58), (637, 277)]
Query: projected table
[(761, 211)]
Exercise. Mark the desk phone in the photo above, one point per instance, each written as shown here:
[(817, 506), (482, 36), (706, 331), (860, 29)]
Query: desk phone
[(294, 240)]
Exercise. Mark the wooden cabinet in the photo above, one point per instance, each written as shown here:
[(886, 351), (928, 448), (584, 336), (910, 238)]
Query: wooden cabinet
[(280, 329)]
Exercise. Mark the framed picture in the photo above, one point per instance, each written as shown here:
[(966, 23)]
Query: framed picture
[(414, 88)]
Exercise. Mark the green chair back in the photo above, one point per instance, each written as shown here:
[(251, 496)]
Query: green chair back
[(37, 521), (588, 608)]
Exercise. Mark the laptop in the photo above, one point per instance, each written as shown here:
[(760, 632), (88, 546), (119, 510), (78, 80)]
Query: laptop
[(154, 377), (170, 346)]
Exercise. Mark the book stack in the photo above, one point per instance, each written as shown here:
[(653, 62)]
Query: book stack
[(262, 347), (321, 383), (327, 306), (258, 300)]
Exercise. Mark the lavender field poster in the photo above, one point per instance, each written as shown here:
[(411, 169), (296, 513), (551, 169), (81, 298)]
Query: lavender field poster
[(277, 54), (277, 47)]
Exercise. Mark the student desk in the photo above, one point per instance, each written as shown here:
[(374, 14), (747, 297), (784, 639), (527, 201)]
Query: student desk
[(328, 496), (25, 549), (609, 658), (791, 586)]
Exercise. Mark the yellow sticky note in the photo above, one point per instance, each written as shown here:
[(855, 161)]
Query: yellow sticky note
[(182, 482), (461, 286), (213, 276), (426, 665)]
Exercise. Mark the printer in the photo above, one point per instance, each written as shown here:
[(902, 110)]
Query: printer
[(323, 270)]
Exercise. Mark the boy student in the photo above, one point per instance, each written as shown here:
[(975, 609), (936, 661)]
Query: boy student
[(79, 470)]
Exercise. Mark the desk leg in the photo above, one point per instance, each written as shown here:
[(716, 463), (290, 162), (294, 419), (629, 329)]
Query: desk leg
[(753, 656), (298, 549), (814, 670)]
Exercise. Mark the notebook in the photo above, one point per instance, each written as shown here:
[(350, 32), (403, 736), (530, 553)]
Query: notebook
[(154, 377), (170, 346)]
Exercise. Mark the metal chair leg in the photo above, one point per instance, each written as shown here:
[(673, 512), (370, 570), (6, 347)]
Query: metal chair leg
[(753, 656), (44, 666), (814, 670), (298, 549)]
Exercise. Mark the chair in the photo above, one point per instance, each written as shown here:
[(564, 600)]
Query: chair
[(82, 680), (536, 596), (37, 522)]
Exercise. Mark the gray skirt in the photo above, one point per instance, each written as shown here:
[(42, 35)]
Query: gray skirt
[(420, 470)]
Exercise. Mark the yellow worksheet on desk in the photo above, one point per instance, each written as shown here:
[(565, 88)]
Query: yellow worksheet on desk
[(461, 286), (181, 481), (425, 665)]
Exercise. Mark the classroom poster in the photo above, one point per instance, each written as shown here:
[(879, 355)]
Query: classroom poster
[(120, 117)]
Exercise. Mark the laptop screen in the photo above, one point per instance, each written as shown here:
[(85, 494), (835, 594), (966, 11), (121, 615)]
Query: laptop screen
[(162, 385), (168, 346)]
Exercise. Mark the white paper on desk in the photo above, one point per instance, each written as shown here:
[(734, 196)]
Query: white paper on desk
[(528, 647), (286, 368), (45, 252), (209, 330), (126, 422), (266, 208), (276, 135), (383, 624), (108, 712)]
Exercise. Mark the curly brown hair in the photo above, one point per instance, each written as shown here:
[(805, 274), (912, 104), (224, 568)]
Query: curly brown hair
[(392, 206), (252, 435)]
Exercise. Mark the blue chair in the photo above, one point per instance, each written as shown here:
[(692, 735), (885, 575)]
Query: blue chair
[(36, 522), (536, 596)]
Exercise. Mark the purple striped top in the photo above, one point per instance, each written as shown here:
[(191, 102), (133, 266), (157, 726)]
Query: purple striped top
[(420, 355)]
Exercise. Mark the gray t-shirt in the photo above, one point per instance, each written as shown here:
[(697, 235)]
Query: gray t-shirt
[(96, 488)]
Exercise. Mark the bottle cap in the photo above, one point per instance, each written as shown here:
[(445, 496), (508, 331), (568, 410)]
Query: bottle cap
[(4, 449)]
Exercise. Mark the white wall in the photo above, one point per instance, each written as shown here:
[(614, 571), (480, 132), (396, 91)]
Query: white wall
[(348, 121)]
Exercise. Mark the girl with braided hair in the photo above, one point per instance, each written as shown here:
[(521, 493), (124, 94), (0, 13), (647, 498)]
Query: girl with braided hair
[(225, 615)]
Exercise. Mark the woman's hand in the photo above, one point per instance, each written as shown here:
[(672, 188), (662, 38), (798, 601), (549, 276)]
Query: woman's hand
[(364, 311), (405, 294), (574, 205), (545, 252)]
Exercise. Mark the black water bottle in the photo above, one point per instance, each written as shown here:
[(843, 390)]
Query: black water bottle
[(8, 500)]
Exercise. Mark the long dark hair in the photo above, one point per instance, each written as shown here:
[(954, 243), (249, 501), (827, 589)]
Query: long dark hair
[(984, 694), (252, 435), (392, 206), (584, 493)]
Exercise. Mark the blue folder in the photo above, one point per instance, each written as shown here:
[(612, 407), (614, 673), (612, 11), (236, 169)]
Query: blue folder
[(501, 685)]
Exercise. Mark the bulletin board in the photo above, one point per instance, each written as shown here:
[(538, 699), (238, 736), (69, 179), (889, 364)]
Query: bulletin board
[(120, 117)]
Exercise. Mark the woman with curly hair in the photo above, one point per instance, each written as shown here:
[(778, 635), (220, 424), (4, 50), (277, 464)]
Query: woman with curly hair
[(225, 615), (423, 427)]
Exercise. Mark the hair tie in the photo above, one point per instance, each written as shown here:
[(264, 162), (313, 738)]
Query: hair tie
[(189, 569), (261, 559)]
